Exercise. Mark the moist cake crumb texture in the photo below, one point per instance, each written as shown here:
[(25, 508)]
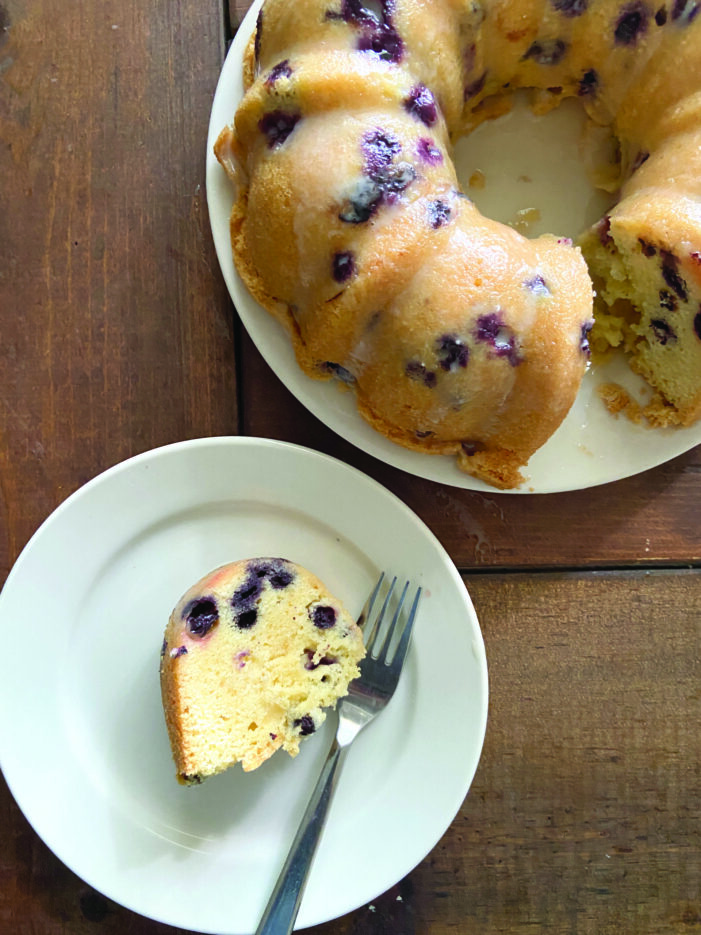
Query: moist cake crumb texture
[(253, 653)]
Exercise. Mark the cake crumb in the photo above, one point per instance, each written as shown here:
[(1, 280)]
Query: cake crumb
[(657, 413), (525, 219), (618, 400), (477, 180)]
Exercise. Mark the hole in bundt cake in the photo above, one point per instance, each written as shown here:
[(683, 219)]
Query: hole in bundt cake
[(535, 169)]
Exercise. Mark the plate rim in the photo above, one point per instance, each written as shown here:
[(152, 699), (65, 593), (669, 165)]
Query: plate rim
[(441, 469), (480, 700)]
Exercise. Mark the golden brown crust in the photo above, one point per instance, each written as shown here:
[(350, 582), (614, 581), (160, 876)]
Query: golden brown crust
[(249, 61), (172, 703)]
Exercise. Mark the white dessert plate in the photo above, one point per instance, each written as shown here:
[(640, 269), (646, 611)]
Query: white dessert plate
[(530, 171), (83, 744)]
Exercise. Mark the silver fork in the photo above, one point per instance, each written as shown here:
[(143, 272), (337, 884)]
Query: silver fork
[(367, 696)]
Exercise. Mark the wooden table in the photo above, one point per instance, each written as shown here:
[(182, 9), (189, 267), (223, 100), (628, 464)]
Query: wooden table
[(118, 336)]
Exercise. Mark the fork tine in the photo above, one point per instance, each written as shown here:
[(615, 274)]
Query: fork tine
[(382, 654), (370, 603), (403, 645), (374, 634)]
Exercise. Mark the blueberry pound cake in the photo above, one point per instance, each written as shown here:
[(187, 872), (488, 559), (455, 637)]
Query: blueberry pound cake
[(252, 654), (457, 334)]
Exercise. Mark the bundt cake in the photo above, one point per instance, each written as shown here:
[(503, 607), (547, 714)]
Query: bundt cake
[(252, 654), (457, 334)]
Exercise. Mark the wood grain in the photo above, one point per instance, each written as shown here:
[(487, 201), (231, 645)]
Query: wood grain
[(583, 815), (117, 336), (116, 328), (236, 10)]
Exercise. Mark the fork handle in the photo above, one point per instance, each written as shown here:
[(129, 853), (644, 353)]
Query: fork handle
[(280, 913)]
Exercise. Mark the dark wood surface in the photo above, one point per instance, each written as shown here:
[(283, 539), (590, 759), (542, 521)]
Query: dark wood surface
[(117, 335)]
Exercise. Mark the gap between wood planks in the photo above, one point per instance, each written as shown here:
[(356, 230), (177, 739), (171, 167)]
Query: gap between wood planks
[(631, 568), (234, 11)]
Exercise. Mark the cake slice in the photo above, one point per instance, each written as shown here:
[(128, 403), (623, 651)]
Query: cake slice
[(646, 269), (252, 654)]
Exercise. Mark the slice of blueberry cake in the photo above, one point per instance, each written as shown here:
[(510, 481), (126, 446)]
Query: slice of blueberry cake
[(252, 654), (647, 275)]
